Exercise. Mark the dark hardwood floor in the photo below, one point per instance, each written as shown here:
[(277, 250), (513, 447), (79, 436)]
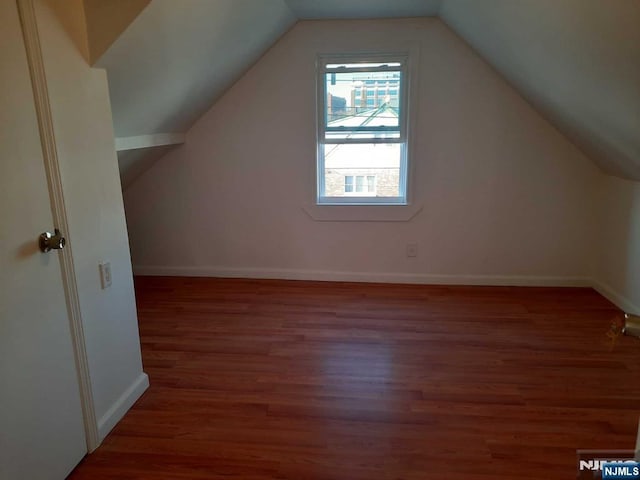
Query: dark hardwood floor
[(308, 380)]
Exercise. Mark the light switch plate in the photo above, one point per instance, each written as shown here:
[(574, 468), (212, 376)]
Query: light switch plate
[(105, 274)]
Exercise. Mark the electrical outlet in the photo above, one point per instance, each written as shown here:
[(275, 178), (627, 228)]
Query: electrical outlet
[(105, 274), (412, 250)]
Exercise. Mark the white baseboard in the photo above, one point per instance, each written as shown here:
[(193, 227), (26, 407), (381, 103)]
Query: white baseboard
[(616, 298), (375, 277), (122, 405)]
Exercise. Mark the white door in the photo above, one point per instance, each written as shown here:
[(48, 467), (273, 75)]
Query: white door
[(41, 423)]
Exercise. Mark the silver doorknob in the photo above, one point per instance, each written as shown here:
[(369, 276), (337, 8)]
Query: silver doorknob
[(49, 241)]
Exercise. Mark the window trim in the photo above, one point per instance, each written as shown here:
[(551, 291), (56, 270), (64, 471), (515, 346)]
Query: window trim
[(322, 69)]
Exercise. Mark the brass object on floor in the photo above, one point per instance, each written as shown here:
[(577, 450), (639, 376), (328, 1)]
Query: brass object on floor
[(631, 325)]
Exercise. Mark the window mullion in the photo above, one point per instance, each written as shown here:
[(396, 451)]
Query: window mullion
[(359, 141)]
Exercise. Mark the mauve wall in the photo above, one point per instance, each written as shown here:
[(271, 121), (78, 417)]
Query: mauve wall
[(505, 197)]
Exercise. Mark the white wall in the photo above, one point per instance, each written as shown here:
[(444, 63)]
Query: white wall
[(86, 149), (617, 269), (506, 198)]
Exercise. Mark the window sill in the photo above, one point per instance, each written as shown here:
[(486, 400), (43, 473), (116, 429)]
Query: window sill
[(362, 213)]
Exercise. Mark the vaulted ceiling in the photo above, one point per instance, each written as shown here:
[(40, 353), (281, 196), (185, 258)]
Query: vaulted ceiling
[(576, 61), (177, 57)]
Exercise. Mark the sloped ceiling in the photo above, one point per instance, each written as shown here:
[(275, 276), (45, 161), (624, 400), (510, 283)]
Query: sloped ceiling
[(576, 61), (106, 20), (176, 58)]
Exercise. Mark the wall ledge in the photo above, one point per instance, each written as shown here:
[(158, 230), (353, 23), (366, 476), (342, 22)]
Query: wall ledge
[(362, 213), (149, 141)]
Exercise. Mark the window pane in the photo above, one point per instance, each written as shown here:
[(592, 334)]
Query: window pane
[(376, 168), (371, 183), (348, 184), (349, 105)]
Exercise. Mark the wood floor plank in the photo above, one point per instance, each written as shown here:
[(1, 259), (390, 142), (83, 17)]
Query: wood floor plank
[(266, 379)]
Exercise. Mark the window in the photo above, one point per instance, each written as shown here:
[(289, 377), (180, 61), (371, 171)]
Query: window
[(360, 184), (362, 145)]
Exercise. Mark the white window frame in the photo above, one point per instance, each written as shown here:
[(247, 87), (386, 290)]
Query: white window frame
[(403, 140)]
